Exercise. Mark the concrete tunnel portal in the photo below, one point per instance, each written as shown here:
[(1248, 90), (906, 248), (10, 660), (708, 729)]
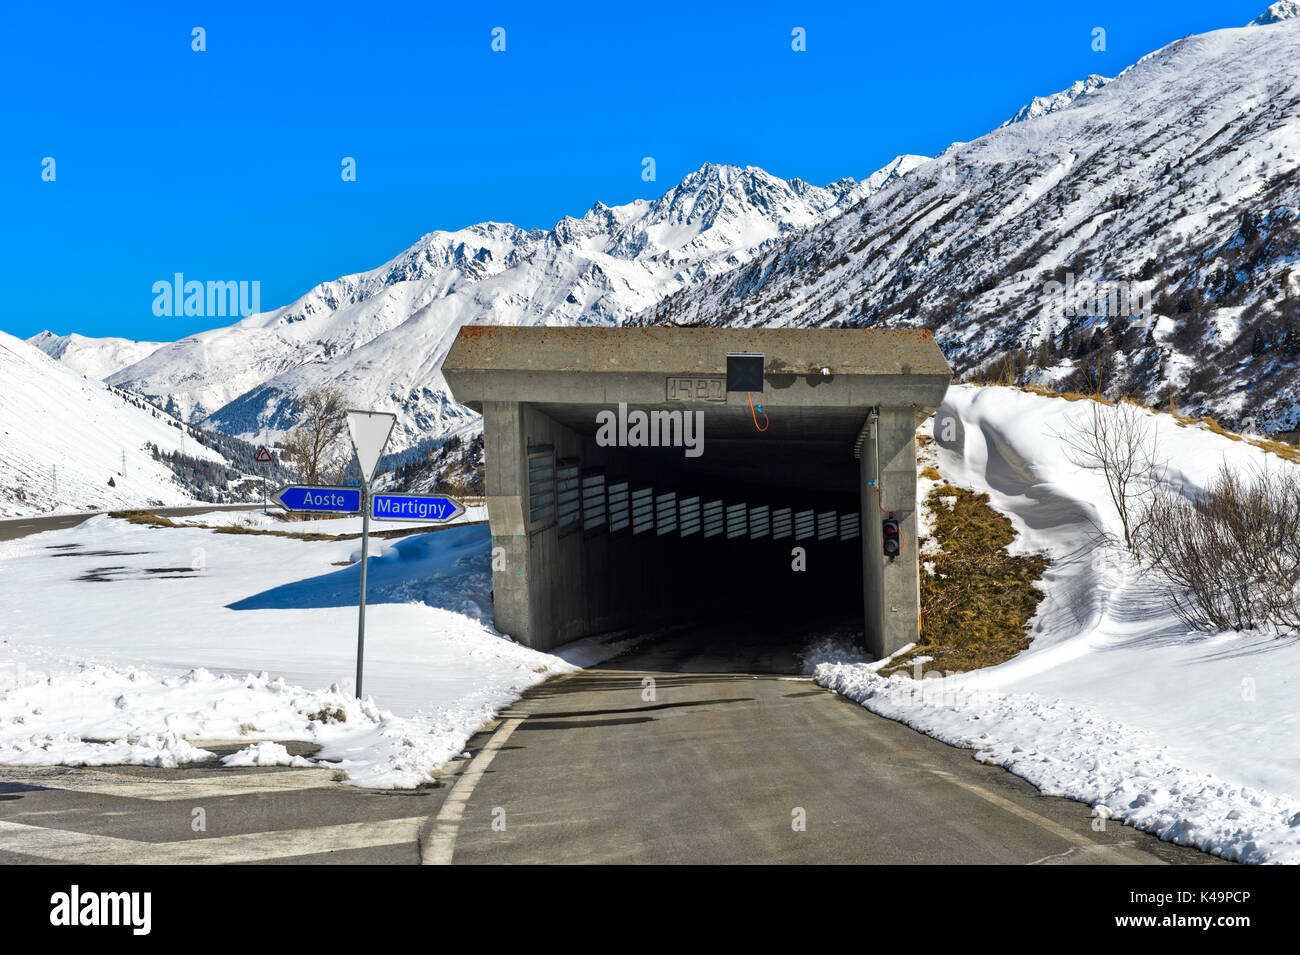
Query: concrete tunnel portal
[(647, 476)]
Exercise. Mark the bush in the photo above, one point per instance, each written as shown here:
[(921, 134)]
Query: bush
[(1121, 441), (1229, 557)]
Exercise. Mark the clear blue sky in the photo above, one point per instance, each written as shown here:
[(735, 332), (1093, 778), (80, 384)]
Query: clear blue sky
[(225, 164)]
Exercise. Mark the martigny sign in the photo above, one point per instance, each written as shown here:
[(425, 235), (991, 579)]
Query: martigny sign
[(415, 507)]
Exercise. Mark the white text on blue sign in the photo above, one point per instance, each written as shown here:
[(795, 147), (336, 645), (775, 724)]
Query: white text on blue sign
[(419, 507)]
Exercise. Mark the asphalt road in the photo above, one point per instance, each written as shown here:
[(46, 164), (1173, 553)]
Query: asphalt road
[(692, 749), (729, 754), (126, 815), (14, 528)]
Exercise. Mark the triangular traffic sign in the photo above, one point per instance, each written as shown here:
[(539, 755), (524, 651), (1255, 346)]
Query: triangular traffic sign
[(370, 431), (263, 454)]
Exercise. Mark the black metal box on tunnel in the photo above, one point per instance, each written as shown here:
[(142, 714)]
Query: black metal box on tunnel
[(744, 372)]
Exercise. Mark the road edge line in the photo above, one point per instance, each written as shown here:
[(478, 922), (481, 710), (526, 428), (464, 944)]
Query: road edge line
[(440, 846)]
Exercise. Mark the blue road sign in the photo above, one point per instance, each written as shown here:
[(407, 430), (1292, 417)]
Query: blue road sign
[(333, 500), (429, 508)]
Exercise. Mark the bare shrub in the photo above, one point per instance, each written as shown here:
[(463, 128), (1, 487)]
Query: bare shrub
[(1230, 557), (1120, 440)]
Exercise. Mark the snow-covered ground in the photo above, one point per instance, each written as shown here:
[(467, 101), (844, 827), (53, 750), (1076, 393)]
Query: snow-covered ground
[(121, 643), (125, 643), (1192, 736)]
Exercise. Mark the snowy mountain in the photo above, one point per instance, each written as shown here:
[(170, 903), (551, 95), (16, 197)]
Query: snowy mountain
[(93, 357), (1042, 105), (1170, 191), (1141, 238), (66, 437), (890, 173), (381, 335), (1282, 10)]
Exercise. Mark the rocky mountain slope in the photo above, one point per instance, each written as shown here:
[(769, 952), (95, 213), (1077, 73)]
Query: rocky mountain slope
[(1175, 183)]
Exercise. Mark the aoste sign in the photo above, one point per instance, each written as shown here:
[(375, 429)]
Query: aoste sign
[(330, 500)]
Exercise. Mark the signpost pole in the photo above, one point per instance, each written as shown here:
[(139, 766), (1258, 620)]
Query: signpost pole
[(370, 431), (365, 554)]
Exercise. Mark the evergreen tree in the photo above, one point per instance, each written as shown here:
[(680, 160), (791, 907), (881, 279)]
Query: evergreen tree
[(1291, 341), (1116, 330)]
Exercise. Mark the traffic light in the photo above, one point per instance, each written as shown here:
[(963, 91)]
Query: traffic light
[(893, 537)]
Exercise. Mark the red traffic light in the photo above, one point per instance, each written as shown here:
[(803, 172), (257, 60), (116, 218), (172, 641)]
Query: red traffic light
[(893, 537)]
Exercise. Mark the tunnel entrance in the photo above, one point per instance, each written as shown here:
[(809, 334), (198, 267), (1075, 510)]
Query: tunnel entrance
[(627, 486)]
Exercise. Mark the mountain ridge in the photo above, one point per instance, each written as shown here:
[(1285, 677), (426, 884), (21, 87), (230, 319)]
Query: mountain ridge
[(1179, 179), (381, 334)]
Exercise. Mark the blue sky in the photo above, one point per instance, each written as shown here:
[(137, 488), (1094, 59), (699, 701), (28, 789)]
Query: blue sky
[(225, 164)]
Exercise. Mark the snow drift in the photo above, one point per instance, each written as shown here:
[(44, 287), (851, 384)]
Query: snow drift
[(1115, 703)]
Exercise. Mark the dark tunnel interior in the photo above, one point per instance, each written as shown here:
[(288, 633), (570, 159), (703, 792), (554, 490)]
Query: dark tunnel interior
[(760, 528)]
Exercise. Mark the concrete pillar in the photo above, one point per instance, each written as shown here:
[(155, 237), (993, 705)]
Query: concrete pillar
[(505, 477), (891, 589), (902, 597), (872, 543)]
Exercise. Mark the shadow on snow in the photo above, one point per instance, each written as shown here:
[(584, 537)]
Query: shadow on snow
[(449, 569)]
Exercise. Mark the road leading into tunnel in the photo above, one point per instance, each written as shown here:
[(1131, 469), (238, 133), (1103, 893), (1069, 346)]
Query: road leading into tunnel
[(708, 746)]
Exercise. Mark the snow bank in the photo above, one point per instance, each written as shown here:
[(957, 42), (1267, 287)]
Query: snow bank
[(1115, 703), (121, 642)]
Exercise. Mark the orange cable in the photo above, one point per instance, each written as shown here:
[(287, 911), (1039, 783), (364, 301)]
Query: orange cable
[(902, 538), (875, 489), (754, 415)]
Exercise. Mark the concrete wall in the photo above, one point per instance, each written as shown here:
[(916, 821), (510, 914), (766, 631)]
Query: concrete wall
[(553, 584)]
